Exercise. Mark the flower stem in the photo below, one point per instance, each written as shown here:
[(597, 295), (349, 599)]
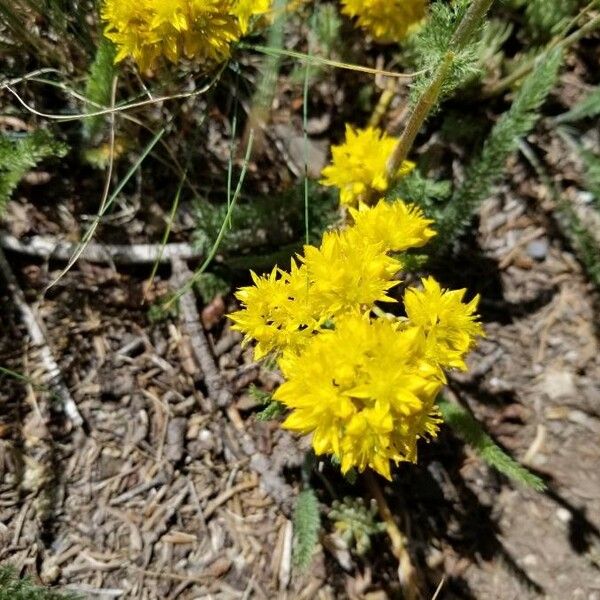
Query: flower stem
[(470, 21), (418, 116), (407, 573)]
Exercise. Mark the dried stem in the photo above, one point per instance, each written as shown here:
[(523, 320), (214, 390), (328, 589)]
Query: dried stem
[(407, 573), (418, 116), (53, 375), (50, 247)]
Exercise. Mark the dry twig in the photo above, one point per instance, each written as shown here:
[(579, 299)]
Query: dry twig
[(190, 320), (49, 247), (54, 378)]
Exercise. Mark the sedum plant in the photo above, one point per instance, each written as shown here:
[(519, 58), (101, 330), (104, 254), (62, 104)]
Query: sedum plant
[(359, 165), (362, 382), (387, 20), (202, 30)]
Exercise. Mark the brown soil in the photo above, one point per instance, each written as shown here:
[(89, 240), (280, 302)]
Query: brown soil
[(157, 497)]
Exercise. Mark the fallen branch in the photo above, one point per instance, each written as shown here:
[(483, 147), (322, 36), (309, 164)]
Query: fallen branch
[(53, 379), (218, 389), (220, 394), (50, 247)]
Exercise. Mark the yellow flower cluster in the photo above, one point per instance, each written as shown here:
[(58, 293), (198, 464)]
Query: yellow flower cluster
[(364, 387), (359, 165), (387, 20), (202, 30)]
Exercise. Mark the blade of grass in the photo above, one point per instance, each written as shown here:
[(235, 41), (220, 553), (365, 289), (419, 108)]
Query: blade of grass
[(320, 61), (213, 251), (92, 228), (165, 237)]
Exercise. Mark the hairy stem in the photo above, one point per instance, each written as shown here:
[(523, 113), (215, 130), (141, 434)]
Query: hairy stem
[(418, 116), (470, 21)]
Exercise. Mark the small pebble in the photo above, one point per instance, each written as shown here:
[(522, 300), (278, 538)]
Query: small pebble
[(564, 515), (530, 560), (538, 249)]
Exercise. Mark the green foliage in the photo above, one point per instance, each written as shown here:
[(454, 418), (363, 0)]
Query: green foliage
[(18, 156), (356, 523), (325, 26), (273, 409), (209, 286), (493, 36), (546, 18), (591, 162), (587, 108), (324, 40), (430, 46), (267, 81), (426, 193), (486, 169), (266, 223), (584, 243), (162, 311), (98, 86), (469, 430), (580, 237), (307, 523), (14, 588)]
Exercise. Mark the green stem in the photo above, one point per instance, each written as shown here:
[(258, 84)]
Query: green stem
[(470, 21), (419, 115), (473, 17)]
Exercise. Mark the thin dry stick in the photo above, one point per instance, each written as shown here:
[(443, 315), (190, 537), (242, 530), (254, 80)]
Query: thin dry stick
[(49, 247), (54, 377), (472, 18), (410, 580), (218, 389), (116, 109)]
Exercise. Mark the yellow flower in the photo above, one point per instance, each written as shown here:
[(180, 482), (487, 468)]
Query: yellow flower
[(359, 165), (348, 272), (145, 30), (276, 312), (387, 20), (363, 391), (449, 325), (246, 9), (398, 226)]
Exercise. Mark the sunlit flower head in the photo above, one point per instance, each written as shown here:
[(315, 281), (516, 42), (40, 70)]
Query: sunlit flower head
[(276, 312), (450, 325), (246, 10), (387, 20), (349, 272), (359, 165), (363, 391), (398, 226), (146, 30)]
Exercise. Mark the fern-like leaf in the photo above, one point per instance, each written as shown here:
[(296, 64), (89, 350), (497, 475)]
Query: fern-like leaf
[(14, 588), (99, 85), (587, 108), (485, 170), (307, 523), (469, 430), (430, 46), (18, 156)]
